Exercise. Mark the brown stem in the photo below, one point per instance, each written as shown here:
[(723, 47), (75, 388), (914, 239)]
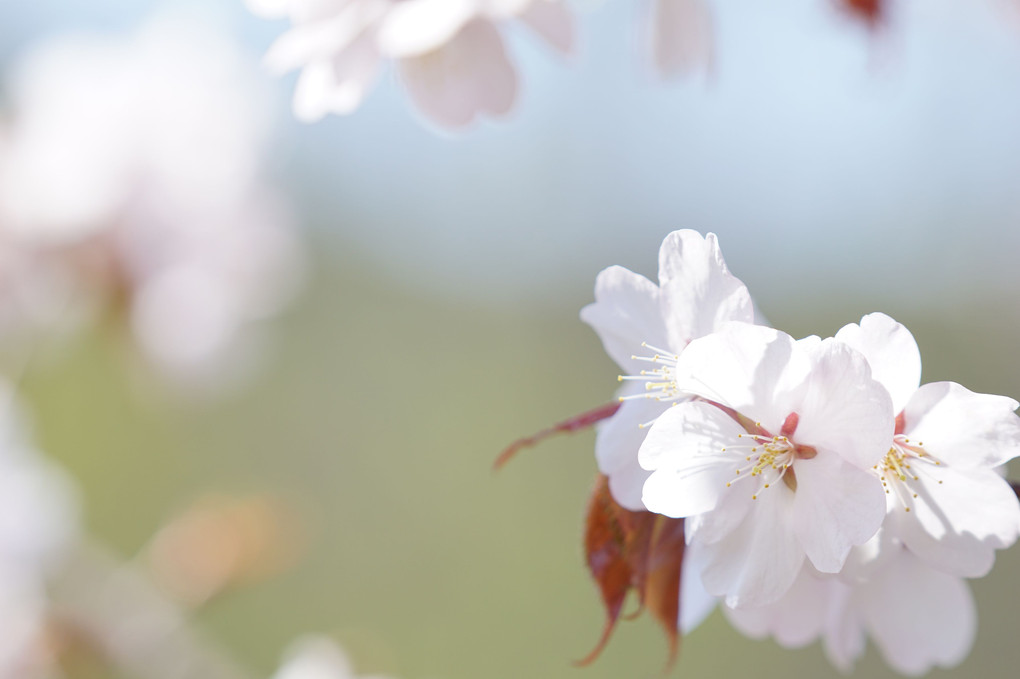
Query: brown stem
[(575, 423)]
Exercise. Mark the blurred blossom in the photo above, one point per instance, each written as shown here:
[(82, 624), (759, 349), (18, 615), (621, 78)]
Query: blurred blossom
[(221, 542), (316, 658), (680, 36), (450, 54), (131, 179), (38, 523)]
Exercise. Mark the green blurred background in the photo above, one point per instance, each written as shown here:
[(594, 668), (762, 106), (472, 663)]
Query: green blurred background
[(379, 418), (439, 323)]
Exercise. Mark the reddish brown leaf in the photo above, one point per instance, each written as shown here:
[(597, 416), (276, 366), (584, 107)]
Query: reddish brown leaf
[(661, 593), (569, 426), (638, 551)]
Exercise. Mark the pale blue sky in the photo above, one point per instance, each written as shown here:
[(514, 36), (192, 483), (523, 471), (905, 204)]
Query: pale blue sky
[(826, 160)]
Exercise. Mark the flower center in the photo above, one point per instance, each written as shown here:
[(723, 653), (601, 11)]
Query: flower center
[(902, 467), (660, 380)]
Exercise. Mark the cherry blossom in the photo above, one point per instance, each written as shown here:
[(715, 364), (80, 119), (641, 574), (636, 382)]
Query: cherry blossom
[(450, 54), (644, 327), (946, 500), (131, 180), (918, 617), (773, 464)]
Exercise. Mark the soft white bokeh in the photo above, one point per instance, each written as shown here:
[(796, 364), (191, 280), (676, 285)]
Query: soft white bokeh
[(133, 176)]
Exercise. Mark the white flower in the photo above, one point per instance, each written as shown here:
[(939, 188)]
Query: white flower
[(131, 177), (680, 36), (695, 296), (316, 658), (946, 501), (775, 466), (917, 617), (450, 53)]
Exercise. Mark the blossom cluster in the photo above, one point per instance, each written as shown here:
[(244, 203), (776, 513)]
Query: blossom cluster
[(825, 493), (131, 182)]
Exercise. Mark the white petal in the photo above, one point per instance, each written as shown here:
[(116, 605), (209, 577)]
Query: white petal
[(918, 616), (319, 40), (466, 78), (680, 34), (836, 507), (892, 354), (684, 450), (755, 370), (414, 27), (844, 633), (553, 21), (843, 410), (758, 561), (795, 620), (956, 525), (699, 293), (625, 314), (963, 428), (696, 603)]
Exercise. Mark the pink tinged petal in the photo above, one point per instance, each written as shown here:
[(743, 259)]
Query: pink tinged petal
[(962, 428), (918, 617), (836, 506), (958, 519), (625, 314), (553, 22), (891, 352), (468, 77), (684, 450), (755, 370), (843, 410), (696, 603), (339, 85), (413, 27), (844, 632), (759, 560), (797, 619), (617, 442), (699, 293), (681, 36)]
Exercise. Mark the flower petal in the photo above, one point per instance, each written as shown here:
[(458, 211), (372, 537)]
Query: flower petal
[(842, 409), (680, 36), (756, 371), (696, 603), (413, 27), (958, 519), (617, 442), (836, 506), (962, 428), (625, 314), (758, 561), (892, 354), (844, 633), (699, 293), (918, 616), (553, 22), (467, 77), (684, 450), (795, 620)]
